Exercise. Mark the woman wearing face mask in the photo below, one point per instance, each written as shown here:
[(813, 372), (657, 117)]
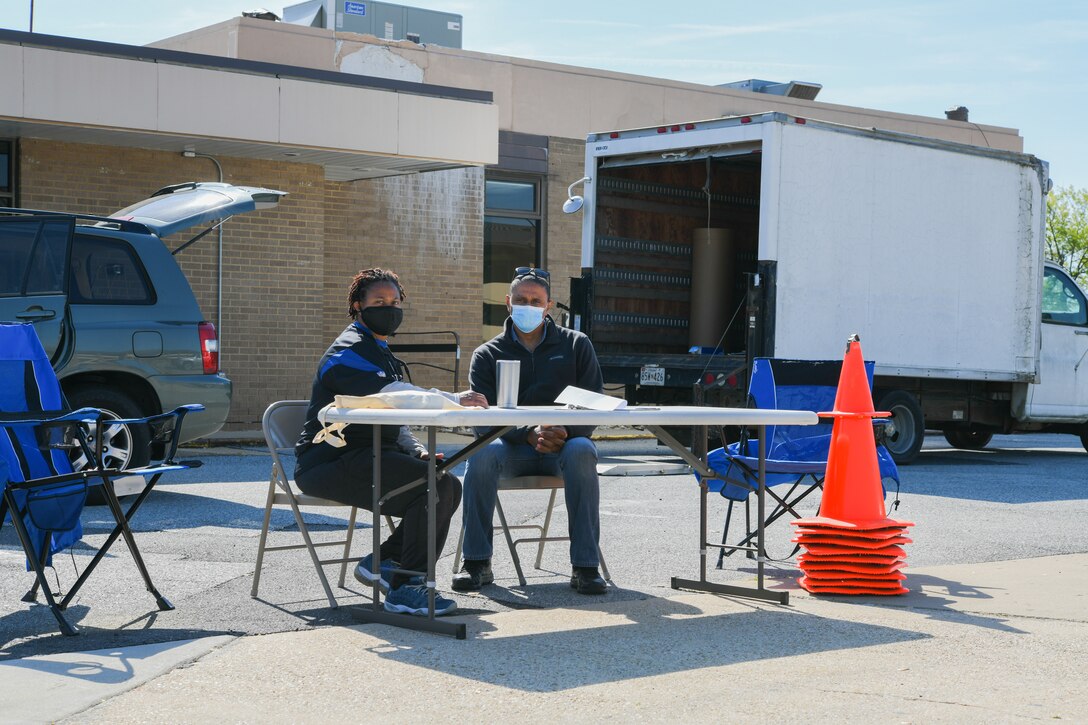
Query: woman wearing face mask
[(359, 363), (551, 358)]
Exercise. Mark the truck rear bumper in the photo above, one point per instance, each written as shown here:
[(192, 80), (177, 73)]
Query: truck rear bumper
[(678, 371)]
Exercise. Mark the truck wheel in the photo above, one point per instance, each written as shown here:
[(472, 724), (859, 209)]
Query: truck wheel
[(1084, 438), (123, 446), (969, 440), (904, 434)]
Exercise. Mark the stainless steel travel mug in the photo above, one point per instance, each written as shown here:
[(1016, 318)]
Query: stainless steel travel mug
[(509, 375)]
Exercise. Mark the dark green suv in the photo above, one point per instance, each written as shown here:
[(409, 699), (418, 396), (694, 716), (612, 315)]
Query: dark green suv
[(116, 313)]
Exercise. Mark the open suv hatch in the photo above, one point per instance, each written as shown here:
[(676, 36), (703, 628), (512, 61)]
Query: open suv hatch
[(114, 310)]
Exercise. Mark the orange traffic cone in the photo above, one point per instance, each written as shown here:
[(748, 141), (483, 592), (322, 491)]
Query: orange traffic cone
[(855, 588), (837, 553), (853, 495), (852, 547), (815, 565)]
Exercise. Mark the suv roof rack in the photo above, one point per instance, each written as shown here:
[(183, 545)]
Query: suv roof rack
[(119, 224)]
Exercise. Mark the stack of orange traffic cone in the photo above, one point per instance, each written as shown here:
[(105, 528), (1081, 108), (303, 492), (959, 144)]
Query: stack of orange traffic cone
[(852, 547)]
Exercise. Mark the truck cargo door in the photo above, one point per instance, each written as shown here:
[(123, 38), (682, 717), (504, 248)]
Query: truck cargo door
[(34, 253), (1062, 391)]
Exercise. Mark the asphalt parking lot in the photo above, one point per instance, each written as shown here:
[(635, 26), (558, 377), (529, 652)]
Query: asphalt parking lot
[(1025, 496)]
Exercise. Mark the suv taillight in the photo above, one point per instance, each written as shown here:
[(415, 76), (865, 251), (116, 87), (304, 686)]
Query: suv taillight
[(209, 347)]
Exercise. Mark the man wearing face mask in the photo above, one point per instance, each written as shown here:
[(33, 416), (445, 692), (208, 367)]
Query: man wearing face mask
[(552, 358), (359, 363)]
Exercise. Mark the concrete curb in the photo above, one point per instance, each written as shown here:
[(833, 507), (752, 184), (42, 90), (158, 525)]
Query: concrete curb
[(49, 688)]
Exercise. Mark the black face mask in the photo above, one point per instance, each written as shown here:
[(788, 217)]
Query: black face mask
[(382, 320)]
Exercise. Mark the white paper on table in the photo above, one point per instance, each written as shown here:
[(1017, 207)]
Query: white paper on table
[(575, 397)]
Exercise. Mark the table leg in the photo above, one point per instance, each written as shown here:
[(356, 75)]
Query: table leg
[(699, 445), (376, 614), (699, 463), (376, 524), (432, 501), (761, 498)]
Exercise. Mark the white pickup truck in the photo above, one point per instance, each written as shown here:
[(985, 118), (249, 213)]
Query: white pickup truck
[(706, 244)]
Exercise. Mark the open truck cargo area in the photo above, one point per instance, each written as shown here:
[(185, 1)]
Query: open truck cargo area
[(706, 244)]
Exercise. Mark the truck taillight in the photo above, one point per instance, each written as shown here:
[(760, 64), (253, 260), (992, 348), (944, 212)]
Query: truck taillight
[(209, 347)]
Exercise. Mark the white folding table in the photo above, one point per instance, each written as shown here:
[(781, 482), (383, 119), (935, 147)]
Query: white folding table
[(501, 420)]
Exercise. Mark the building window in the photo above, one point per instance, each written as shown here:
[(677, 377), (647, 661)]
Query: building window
[(7, 173), (512, 223)]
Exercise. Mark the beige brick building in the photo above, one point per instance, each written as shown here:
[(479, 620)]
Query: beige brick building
[(445, 165)]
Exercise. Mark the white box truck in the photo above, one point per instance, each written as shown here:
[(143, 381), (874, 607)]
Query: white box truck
[(706, 244)]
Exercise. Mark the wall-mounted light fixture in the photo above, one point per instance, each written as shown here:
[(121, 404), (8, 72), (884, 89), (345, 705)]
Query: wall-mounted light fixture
[(574, 203)]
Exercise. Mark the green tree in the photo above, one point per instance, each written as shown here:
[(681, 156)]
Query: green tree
[(1067, 230)]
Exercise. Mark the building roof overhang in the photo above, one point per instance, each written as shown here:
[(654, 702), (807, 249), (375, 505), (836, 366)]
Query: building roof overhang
[(356, 127)]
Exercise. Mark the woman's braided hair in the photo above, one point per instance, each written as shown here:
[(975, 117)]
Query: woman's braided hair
[(365, 278)]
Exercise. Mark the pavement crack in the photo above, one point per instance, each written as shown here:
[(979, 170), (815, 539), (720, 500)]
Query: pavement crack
[(916, 698)]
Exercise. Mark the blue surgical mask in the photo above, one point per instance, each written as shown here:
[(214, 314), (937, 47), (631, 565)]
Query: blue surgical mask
[(526, 317)]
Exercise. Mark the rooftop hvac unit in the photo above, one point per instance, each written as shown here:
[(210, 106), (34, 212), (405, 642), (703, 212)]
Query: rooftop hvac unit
[(794, 89), (383, 20)]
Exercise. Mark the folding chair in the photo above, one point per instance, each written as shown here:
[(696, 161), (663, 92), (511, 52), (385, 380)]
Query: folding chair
[(282, 423), (41, 491), (796, 455), (528, 483)]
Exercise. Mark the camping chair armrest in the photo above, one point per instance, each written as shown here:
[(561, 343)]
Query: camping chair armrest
[(178, 412), (55, 417), (170, 445)]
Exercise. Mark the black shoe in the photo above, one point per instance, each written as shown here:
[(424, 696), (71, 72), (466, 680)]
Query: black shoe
[(587, 581), (473, 575)]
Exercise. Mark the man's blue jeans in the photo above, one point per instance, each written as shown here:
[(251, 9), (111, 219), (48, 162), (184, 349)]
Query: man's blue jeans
[(576, 463)]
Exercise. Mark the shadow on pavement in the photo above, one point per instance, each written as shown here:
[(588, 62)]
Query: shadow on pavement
[(924, 597), (38, 635), (655, 637), (177, 509)]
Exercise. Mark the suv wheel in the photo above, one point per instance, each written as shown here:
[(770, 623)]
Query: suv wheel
[(123, 446)]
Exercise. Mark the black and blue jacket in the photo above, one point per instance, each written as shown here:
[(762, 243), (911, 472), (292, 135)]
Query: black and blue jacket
[(564, 357), (355, 364)]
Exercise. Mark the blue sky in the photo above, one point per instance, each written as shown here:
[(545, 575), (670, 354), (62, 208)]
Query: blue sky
[(1012, 63)]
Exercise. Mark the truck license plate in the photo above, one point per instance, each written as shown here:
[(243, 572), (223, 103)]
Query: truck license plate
[(651, 375)]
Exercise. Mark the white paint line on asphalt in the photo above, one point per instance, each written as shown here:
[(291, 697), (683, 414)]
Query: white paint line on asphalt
[(629, 515)]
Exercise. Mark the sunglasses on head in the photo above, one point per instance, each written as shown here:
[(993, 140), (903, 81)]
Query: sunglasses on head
[(523, 272)]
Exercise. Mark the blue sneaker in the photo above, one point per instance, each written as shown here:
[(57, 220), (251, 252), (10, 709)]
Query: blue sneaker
[(412, 599), (364, 572)]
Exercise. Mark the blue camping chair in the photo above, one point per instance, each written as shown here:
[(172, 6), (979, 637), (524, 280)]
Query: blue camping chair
[(41, 491), (796, 454)]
